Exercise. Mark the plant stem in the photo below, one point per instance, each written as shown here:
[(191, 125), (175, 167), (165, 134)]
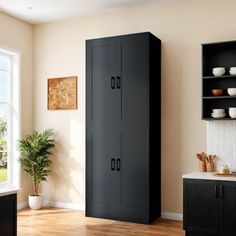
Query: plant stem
[(35, 184)]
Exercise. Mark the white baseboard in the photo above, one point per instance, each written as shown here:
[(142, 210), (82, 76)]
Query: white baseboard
[(164, 215), (72, 206), (172, 216), (22, 205), (64, 205)]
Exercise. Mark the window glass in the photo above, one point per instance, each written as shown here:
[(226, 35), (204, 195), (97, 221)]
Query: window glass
[(4, 80), (9, 118), (4, 63), (3, 143)]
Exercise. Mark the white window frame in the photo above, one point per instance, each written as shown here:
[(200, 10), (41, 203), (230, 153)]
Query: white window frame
[(13, 118)]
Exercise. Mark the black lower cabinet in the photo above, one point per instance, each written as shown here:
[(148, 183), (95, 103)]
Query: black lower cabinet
[(8, 222), (209, 208)]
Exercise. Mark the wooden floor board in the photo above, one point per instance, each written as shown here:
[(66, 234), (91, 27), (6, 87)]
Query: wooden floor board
[(62, 222)]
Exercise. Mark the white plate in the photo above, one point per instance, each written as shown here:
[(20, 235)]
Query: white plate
[(218, 116)]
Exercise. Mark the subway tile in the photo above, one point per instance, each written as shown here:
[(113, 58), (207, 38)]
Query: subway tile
[(221, 140)]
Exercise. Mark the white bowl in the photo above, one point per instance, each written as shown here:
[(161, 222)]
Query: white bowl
[(218, 111), (231, 91), (218, 71), (214, 115), (232, 109), (232, 114), (232, 71)]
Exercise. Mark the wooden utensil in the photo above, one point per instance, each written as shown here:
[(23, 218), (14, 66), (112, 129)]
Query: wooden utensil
[(202, 162)]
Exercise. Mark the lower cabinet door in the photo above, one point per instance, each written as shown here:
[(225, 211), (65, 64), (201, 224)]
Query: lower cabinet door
[(8, 215), (201, 207), (227, 214)]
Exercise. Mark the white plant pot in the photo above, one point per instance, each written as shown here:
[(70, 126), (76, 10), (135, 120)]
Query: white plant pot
[(36, 202)]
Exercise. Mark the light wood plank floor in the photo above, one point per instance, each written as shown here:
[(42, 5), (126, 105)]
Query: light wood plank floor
[(62, 222)]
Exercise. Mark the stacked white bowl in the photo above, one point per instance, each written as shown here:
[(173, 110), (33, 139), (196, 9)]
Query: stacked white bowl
[(218, 71), (232, 112), (232, 70), (218, 113)]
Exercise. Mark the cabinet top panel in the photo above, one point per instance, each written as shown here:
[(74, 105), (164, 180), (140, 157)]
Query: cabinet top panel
[(126, 35), (8, 191), (222, 43), (207, 176)]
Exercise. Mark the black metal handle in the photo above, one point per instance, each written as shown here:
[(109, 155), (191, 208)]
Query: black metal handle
[(113, 82), (118, 164), (113, 164), (215, 191), (221, 191), (118, 82)]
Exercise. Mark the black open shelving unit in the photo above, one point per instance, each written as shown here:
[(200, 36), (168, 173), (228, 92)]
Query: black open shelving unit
[(222, 54)]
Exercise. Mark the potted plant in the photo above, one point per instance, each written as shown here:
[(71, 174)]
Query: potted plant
[(35, 152)]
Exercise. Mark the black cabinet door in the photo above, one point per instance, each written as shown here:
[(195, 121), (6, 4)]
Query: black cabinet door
[(201, 206), (103, 123), (8, 215), (227, 196), (135, 125)]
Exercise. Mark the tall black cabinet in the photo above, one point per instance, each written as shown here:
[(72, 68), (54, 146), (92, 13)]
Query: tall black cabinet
[(123, 93)]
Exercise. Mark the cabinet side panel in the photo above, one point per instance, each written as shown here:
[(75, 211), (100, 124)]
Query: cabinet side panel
[(88, 125), (155, 126)]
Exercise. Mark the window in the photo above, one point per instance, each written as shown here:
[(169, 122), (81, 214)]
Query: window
[(9, 118)]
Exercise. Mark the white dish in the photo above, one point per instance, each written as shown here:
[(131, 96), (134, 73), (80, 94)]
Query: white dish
[(217, 116), (231, 91), (232, 71), (218, 71), (232, 109), (218, 111), (232, 114)]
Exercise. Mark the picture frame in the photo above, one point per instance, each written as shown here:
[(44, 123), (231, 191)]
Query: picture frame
[(62, 93)]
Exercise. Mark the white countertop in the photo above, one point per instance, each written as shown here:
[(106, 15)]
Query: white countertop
[(207, 175), (8, 191)]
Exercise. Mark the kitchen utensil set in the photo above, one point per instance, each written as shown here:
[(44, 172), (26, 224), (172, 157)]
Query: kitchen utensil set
[(206, 162)]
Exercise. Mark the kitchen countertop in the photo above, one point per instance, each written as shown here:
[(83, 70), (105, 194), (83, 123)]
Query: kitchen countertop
[(8, 191), (208, 176)]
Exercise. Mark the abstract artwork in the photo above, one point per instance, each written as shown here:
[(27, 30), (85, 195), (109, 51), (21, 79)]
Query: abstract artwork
[(62, 93)]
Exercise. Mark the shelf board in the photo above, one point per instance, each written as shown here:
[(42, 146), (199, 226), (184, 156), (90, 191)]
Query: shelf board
[(226, 118), (219, 97), (220, 77)]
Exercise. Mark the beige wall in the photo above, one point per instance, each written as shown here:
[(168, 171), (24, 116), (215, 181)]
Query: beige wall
[(15, 34), (182, 26)]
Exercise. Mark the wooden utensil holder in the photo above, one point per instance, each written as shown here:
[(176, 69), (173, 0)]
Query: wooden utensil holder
[(202, 166), (210, 167)]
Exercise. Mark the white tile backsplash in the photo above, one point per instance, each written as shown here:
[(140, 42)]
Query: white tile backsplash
[(221, 140)]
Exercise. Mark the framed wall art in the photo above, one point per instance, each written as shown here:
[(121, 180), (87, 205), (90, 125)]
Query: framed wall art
[(62, 93)]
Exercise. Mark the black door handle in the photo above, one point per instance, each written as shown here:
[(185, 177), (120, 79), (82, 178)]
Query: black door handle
[(118, 82), (118, 164), (221, 191), (113, 164), (113, 82), (215, 191)]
